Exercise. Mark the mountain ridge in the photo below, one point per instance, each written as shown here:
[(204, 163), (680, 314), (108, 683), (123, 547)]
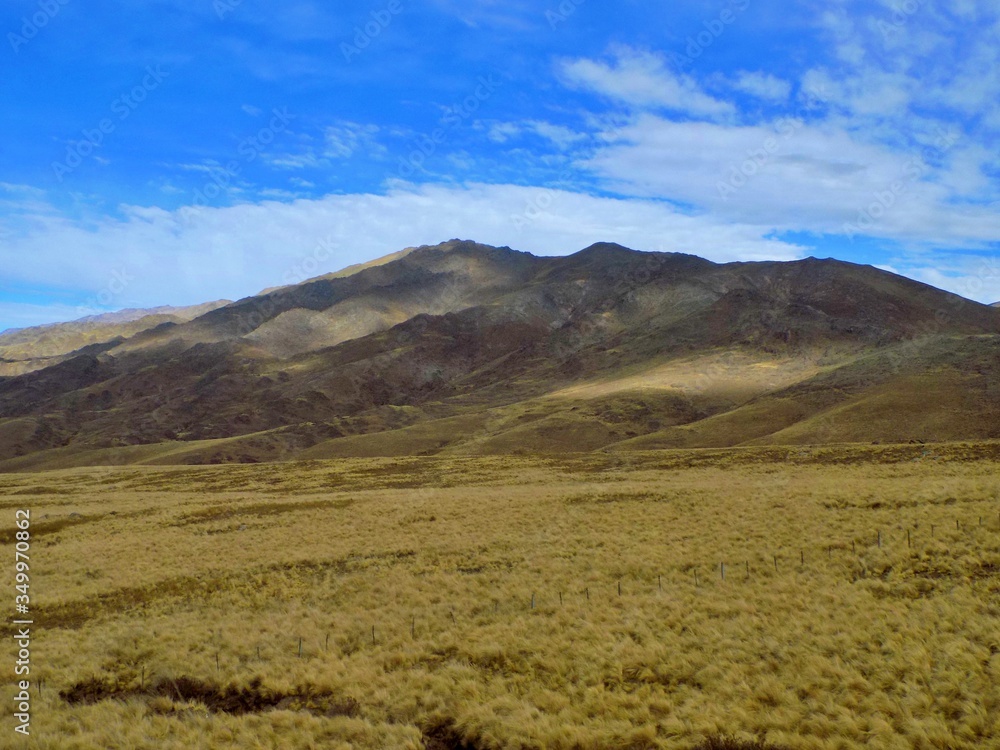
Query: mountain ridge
[(23, 350), (491, 336)]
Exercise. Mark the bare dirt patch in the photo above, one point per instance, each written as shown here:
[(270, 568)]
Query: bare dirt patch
[(42, 528), (258, 510), (228, 699)]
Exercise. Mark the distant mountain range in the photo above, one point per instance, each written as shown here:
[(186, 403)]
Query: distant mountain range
[(24, 350), (462, 349)]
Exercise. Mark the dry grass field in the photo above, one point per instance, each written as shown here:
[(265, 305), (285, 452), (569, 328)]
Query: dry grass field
[(570, 602)]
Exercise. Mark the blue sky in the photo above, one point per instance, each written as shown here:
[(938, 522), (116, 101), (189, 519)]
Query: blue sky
[(178, 151)]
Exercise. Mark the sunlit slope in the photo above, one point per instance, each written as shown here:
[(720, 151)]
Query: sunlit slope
[(933, 389), (28, 349)]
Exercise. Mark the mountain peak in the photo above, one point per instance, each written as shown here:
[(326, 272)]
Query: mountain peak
[(606, 248), (458, 246)]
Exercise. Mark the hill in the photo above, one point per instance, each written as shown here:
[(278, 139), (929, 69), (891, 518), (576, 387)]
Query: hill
[(464, 349), (24, 350)]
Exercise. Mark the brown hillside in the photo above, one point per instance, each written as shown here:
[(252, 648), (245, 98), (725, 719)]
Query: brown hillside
[(466, 348)]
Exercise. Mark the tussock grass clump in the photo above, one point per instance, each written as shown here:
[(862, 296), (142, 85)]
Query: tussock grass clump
[(730, 742), (606, 498)]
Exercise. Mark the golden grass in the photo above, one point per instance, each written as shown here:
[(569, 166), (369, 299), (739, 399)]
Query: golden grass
[(726, 374), (171, 611)]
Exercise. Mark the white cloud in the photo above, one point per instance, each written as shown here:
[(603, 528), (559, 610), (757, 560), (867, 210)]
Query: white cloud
[(341, 140), (887, 139), (973, 276), (501, 132), (24, 204), (506, 15), (791, 176), (559, 135), (208, 167), (461, 160), (875, 94), (154, 256), (301, 160), (762, 85), (643, 79), (9, 187), (897, 59), (345, 138), (964, 171)]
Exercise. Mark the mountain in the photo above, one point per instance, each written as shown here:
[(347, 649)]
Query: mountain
[(24, 350), (463, 348)]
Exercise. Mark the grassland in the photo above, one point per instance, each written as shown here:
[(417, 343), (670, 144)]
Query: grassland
[(567, 602)]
